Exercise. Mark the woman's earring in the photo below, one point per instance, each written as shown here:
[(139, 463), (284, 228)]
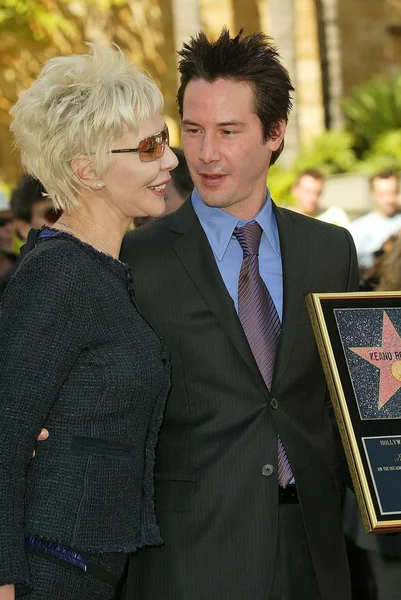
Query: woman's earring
[(99, 186)]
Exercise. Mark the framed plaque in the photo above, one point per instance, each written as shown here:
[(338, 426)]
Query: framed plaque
[(359, 341)]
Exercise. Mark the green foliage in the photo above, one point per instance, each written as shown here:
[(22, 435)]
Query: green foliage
[(388, 143), (384, 154), (372, 142), (33, 18), (280, 182), (373, 108), (42, 19), (330, 152)]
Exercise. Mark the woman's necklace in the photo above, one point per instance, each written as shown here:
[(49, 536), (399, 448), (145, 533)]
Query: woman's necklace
[(85, 235)]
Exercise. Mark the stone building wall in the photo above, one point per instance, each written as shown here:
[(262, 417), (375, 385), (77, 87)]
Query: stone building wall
[(311, 117), (370, 39)]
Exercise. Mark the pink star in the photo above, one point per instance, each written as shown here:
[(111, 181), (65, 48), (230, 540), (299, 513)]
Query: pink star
[(387, 358)]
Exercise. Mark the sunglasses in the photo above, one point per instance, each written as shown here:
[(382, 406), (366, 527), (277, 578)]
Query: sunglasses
[(5, 220), (151, 148)]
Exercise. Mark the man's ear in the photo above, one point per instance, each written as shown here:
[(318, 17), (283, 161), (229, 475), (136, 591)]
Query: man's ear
[(274, 142), (83, 168)]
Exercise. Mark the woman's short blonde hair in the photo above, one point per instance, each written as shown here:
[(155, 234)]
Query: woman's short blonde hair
[(79, 105)]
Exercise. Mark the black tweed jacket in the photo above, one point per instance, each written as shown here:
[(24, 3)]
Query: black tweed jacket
[(76, 358)]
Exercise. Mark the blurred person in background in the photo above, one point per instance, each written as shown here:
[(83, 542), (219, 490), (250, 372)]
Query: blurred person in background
[(177, 190), (81, 360), (30, 209), (372, 277), (7, 257), (372, 229), (375, 559), (307, 191), (390, 271)]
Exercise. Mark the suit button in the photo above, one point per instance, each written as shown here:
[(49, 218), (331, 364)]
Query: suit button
[(267, 470), (274, 403)]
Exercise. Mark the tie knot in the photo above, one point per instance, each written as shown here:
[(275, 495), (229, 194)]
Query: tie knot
[(248, 237)]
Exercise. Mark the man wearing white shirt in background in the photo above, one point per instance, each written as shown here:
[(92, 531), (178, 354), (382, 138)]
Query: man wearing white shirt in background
[(307, 191), (371, 230)]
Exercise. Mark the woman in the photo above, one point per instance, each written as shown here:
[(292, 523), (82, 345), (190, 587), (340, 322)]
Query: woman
[(77, 357)]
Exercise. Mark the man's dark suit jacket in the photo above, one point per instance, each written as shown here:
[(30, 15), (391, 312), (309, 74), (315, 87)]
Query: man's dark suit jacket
[(216, 504)]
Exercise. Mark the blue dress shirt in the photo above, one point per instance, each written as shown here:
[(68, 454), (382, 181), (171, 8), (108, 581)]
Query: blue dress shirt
[(219, 225)]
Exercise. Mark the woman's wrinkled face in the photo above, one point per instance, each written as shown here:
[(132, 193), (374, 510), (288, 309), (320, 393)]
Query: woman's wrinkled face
[(137, 188)]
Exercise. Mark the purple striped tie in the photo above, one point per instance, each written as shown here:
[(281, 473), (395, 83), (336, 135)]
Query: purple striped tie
[(260, 321)]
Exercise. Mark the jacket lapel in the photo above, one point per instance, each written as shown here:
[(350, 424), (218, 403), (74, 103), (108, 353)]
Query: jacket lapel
[(291, 244), (193, 249)]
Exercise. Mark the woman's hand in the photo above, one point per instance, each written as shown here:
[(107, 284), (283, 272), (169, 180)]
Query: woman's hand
[(7, 592)]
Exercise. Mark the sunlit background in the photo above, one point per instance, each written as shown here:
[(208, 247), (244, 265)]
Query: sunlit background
[(344, 57)]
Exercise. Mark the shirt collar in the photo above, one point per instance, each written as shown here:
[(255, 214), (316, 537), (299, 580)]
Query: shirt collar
[(219, 225)]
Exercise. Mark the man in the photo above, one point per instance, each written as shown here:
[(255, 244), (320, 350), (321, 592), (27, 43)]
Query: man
[(29, 209), (177, 190), (371, 230), (6, 235), (307, 191), (230, 530)]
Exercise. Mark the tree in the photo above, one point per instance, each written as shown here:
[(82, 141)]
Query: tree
[(32, 32), (372, 109)]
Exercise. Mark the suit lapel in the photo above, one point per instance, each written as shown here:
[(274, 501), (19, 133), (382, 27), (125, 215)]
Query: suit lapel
[(193, 249), (291, 244)]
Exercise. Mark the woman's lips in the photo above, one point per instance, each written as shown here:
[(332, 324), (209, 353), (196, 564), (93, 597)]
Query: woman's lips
[(160, 189)]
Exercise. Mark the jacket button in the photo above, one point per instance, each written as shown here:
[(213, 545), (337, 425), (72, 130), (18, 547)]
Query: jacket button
[(273, 403), (267, 470)]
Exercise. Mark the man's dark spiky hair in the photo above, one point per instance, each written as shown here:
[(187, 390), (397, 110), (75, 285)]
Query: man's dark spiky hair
[(249, 59)]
